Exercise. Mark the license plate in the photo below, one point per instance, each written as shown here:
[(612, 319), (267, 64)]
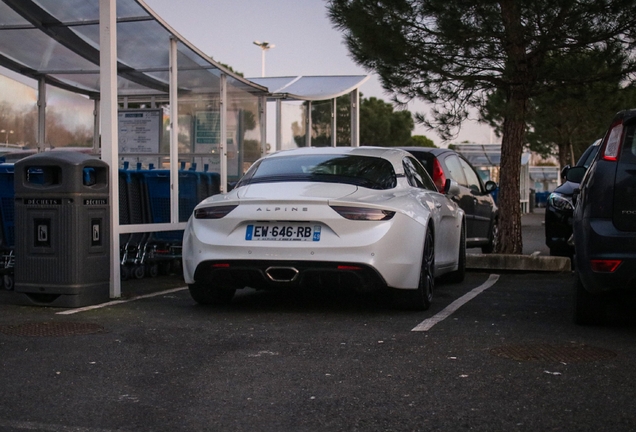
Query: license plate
[(283, 232)]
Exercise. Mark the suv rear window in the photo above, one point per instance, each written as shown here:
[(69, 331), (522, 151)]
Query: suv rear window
[(628, 153)]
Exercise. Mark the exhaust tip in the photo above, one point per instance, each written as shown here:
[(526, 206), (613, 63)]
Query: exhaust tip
[(282, 274)]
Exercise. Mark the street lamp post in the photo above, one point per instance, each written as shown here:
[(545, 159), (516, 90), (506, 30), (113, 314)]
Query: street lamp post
[(264, 47), (6, 136)]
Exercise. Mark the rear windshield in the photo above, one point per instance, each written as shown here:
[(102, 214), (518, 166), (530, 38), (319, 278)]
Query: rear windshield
[(426, 159), (365, 171), (629, 145)]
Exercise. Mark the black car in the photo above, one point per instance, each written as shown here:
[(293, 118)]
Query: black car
[(475, 196), (559, 208), (604, 221)]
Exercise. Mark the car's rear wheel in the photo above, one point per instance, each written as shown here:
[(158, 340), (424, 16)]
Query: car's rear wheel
[(588, 307), (420, 299), (208, 294), (494, 238), (458, 275)]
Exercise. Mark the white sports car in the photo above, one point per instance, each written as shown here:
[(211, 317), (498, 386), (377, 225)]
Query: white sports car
[(359, 217)]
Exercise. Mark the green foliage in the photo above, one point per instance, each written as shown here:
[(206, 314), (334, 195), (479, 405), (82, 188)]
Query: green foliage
[(381, 126), (422, 141)]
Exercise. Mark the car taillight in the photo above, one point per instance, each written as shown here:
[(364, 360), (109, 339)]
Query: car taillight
[(604, 265), (360, 213), (438, 175), (216, 212), (613, 145)]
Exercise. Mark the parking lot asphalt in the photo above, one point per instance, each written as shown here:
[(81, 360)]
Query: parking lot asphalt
[(535, 256), (507, 359)]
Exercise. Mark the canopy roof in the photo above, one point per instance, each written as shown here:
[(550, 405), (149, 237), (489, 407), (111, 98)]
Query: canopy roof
[(311, 88), (59, 40), (485, 154)]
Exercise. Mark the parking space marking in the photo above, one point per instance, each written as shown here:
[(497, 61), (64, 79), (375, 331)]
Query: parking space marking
[(116, 302), (428, 323)]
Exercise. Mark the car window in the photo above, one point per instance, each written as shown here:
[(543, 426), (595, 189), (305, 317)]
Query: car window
[(629, 146), (417, 175), (471, 176), (588, 155), (455, 170), (365, 171)]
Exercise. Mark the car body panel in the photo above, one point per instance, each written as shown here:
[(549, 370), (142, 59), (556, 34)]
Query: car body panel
[(607, 190), (559, 209)]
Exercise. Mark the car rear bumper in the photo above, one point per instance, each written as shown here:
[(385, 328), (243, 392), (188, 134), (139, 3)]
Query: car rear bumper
[(394, 252), (289, 274), (605, 242)]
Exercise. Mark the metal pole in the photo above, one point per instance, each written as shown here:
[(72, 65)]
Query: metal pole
[(334, 136), (41, 114), (108, 114), (309, 125), (279, 125), (174, 134), (262, 110), (223, 138), (96, 149), (355, 118)]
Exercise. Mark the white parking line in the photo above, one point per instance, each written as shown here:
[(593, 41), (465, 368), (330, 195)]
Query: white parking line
[(116, 302), (428, 323)]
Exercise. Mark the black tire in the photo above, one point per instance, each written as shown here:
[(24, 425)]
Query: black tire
[(458, 275), (420, 299), (588, 308), (153, 270), (207, 294), (8, 282), (494, 238), (139, 272)]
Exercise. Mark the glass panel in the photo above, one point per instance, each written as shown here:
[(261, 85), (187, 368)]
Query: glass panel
[(69, 119), (82, 10), (343, 121), (292, 122), (455, 169), (321, 123), (9, 17), (471, 176), (37, 51), (18, 115)]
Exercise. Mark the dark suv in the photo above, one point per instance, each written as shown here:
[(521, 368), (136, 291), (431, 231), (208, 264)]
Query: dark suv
[(559, 208), (604, 222)]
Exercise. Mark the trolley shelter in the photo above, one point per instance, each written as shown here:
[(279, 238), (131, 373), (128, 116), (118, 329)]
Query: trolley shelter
[(486, 158), (160, 103)]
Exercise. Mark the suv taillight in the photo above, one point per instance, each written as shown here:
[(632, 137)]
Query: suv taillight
[(613, 146), (438, 175)]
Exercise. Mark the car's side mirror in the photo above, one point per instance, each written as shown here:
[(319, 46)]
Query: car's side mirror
[(451, 188), (490, 186), (575, 174), (564, 171)]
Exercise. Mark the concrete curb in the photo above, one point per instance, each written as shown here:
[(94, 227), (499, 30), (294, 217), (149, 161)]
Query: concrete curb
[(529, 263)]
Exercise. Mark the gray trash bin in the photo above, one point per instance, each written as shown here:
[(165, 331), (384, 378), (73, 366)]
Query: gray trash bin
[(62, 247)]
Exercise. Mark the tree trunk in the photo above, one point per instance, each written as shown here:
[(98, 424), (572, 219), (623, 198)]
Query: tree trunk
[(510, 241)]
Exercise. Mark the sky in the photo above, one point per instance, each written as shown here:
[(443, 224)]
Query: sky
[(305, 44)]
